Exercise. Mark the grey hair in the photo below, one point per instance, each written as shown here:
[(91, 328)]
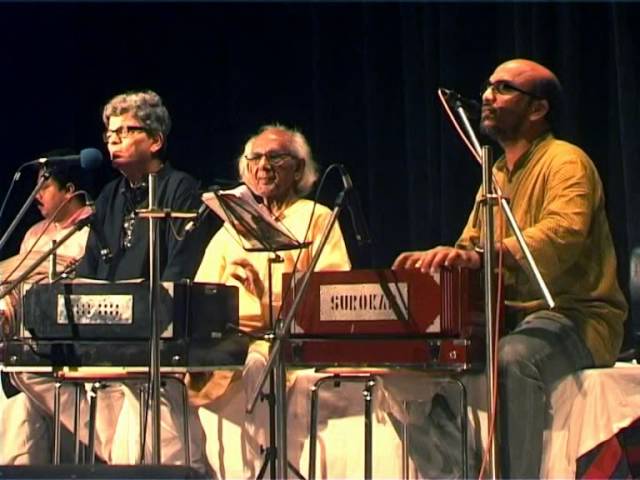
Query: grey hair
[(145, 105), (298, 147)]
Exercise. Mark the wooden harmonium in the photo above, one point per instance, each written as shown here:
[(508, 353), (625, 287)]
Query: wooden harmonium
[(80, 323), (390, 317)]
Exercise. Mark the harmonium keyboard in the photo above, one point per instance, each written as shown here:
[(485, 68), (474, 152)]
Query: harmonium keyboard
[(78, 323), (386, 317)]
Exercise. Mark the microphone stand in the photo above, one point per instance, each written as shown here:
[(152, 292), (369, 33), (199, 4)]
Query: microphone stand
[(271, 450), (154, 286), (41, 180), (491, 193), (275, 362), (154, 215)]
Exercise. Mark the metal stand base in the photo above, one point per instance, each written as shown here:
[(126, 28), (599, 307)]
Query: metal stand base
[(271, 452)]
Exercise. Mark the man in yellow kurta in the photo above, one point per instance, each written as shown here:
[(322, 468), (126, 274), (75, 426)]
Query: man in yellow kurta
[(557, 200), (278, 167)]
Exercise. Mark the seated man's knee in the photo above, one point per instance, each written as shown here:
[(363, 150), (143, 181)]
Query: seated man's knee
[(513, 351)]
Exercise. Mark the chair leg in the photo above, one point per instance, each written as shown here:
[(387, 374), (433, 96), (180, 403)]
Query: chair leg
[(76, 423), (337, 379), (368, 427), (56, 423), (93, 408), (463, 426), (187, 433), (405, 447), (313, 423), (313, 431), (142, 412)]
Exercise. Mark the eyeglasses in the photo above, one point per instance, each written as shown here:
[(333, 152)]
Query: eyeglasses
[(275, 159), (506, 88), (124, 131)]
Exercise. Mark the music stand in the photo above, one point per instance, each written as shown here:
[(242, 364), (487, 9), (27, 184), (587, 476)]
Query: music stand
[(259, 233), (282, 333), (250, 220)]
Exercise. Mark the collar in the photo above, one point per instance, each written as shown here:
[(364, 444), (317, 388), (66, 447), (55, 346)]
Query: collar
[(524, 160), (141, 188)]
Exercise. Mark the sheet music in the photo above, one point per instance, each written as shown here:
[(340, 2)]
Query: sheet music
[(252, 221)]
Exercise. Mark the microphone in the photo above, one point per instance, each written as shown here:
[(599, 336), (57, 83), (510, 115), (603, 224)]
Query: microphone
[(88, 159), (191, 225), (471, 107), (355, 209)]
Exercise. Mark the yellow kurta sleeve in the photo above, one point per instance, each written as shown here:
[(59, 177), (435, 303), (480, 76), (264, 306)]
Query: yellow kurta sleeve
[(563, 218)]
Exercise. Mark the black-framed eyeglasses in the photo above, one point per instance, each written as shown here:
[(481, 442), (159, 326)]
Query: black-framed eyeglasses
[(275, 159), (122, 132), (503, 87)]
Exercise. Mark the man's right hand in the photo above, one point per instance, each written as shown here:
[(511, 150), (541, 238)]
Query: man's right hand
[(5, 323), (436, 258)]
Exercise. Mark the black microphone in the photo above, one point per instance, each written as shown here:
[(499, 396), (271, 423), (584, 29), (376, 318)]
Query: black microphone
[(89, 159), (191, 225), (355, 209), (471, 107)]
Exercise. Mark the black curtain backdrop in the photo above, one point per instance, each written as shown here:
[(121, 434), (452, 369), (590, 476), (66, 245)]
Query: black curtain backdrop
[(359, 79)]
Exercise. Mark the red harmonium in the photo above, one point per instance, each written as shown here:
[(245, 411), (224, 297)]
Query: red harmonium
[(390, 318)]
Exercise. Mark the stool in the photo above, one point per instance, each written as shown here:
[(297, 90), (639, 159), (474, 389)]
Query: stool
[(99, 381), (368, 378)]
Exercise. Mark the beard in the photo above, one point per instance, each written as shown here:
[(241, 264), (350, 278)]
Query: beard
[(490, 131), (489, 126), (501, 129)]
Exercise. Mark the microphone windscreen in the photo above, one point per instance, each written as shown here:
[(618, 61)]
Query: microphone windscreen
[(90, 158)]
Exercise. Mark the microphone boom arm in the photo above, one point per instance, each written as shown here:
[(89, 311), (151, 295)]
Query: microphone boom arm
[(9, 287), (41, 180)]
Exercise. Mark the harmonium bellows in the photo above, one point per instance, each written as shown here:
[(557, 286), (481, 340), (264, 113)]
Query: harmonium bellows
[(390, 317), (88, 323)]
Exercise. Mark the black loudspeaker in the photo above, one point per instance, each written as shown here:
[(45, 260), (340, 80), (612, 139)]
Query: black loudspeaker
[(114, 472)]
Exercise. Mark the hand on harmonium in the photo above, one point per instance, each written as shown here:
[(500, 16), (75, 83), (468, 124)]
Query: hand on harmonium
[(436, 258), (11, 268), (7, 316), (248, 276)]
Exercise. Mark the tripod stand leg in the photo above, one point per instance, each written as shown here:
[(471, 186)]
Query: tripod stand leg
[(270, 453), (268, 461)]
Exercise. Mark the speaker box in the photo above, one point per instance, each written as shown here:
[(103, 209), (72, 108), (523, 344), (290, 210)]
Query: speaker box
[(114, 472)]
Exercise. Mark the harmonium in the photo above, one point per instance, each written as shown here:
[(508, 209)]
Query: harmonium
[(387, 317), (79, 323)]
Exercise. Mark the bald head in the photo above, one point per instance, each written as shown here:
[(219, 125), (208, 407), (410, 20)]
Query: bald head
[(528, 72), (537, 79)]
